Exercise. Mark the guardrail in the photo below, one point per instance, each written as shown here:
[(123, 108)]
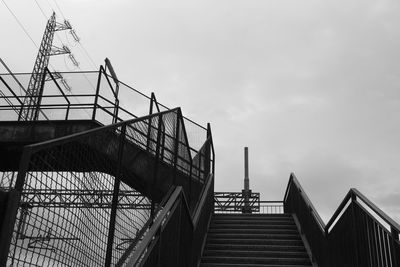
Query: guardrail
[(176, 237), (235, 202), (95, 95), (66, 222), (358, 234)]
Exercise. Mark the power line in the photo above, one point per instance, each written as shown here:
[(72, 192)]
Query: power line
[(46, 17), (62, 14), (41, 9), (20, 24), (81, 45), (27, 33), (87, 54)]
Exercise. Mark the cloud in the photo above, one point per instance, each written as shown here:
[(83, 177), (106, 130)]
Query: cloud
[(310, 86)]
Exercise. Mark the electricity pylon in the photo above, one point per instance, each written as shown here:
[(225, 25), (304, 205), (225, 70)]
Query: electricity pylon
[(32, 100)]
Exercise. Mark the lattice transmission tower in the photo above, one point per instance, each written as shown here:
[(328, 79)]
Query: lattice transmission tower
[(32, 99)]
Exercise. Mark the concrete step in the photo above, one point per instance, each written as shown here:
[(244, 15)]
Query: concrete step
[(256, 254), (238, 241), (252, 226), (252, 222), (256, 260), (242, 236), (256, 247), (254, 240), (252, 231), (248, 265), (253, 217)]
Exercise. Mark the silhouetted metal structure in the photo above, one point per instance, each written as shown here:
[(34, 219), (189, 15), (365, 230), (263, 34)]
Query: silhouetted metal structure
[(33, 99), (110, 177), (87, 198)]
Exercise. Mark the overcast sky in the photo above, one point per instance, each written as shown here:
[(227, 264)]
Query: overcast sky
[(311, 87)]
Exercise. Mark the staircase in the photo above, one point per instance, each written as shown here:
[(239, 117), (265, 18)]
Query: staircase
[(254, 240)]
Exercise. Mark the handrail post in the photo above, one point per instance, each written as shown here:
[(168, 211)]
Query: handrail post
[(208, 150), (156, 163), (149, 123), (176, 150), (97, 94), (354, 226), (395, 237), (114, 203)]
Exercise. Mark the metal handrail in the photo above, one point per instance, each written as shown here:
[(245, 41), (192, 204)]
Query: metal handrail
[(64, 139), (353, 195), (148, 238), (293, 181), (173, 199), (353, 227)]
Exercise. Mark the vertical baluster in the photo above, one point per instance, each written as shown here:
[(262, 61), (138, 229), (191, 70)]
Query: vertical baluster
[(394, 247)]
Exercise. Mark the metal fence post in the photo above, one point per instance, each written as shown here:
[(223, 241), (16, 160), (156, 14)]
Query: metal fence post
[(394, 254), (156, 159), (97, 94), (176, 150), (113, 215), (355, 236), (208, 151), (149, 123), (7, 223)]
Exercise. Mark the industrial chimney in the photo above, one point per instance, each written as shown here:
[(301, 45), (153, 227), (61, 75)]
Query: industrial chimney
[(246, 192)]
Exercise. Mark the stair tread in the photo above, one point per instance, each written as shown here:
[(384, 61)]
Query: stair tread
[(252, 253), (248, 221), (256, 226), (254, 231), (240, 259), (254, 247), (256, 236), (254, 240), (248, 265)]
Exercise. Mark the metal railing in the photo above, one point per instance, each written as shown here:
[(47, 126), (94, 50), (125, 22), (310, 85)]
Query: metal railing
[(358, 234), (95, 95), (235, 202), (177, 236), (75, 201)]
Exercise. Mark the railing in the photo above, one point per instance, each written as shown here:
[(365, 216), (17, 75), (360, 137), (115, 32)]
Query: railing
[(235, 202), (177, 235), (74, 198), (271, 207), (362, 234), (176, 238), (94, 96), (358, 234)]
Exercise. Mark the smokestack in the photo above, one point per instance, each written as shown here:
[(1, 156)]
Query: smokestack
[(246, 192), (246, 169)]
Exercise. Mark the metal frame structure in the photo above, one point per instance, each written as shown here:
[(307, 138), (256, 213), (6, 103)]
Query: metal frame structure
[(32, 99), (53, 198), (356, 235)]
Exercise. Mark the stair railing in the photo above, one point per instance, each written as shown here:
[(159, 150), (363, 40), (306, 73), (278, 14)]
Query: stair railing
[(358, 234), (176, 238), (68, 163), (297, 202), (162, 244)]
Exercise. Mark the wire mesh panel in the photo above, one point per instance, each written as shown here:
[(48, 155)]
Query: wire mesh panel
[(90, 95), (78, 206), (64, 214), (7, 180)]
